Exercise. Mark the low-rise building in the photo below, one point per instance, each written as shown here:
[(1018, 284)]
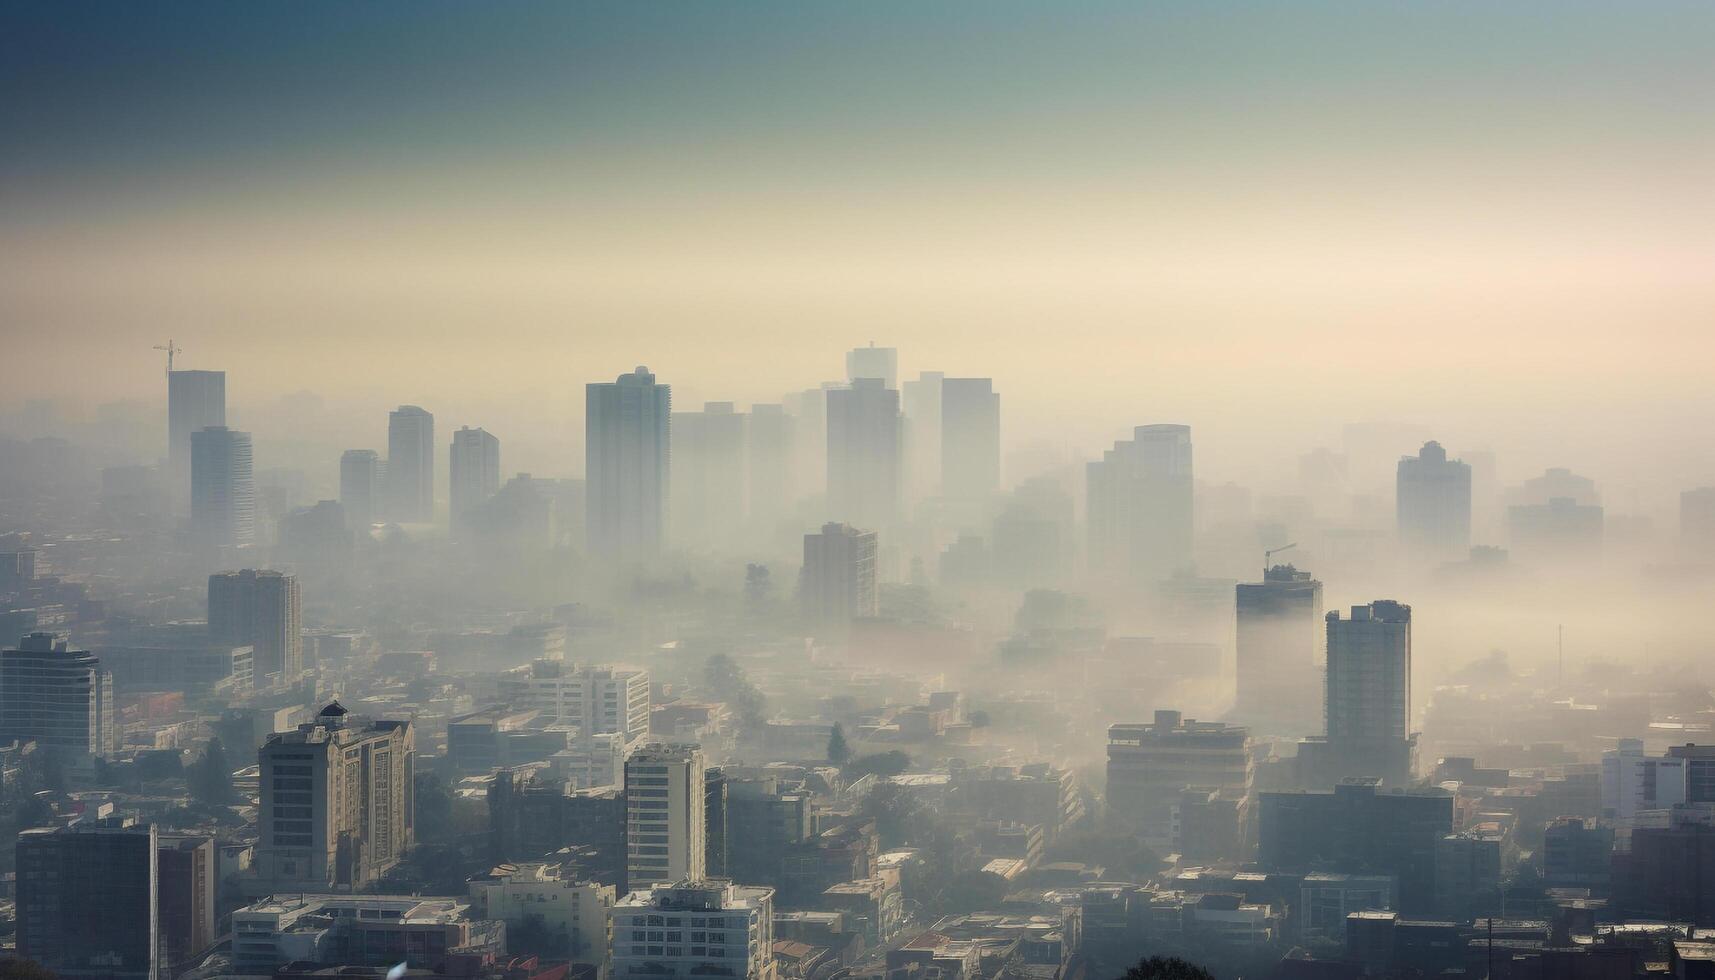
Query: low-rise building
[(708, 928), (366, 930)]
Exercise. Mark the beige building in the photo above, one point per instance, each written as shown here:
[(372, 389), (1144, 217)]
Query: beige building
[(710, 928), (575, 910), (666, 834)]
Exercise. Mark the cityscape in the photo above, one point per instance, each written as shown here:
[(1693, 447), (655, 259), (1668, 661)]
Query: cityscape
[(932, 582)]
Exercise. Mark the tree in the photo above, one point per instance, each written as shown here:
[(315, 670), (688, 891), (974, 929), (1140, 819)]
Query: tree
[(1166, 968), (979, 719), (210, 779), (839, 753), (889, 763), (729, 683), (758, 586)]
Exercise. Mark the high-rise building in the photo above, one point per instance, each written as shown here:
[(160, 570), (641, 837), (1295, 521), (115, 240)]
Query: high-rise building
[(920, 400), (1280, 652), (1140, 510), (1697, 519), (864, 454), (59, 697), (873, 362), (837, 583), (1149, 764), (1433, 502), (1367, 695), (771, 475), (1357, 828), (666, 828), (185, 879), (722, 930), (473, 468), (410, 465), (361, 473), (708, 500), (970, 437), (223, 487), (599, 700), (627, 447), (196, 400), (338, 808), (87, 899), (261, 609)]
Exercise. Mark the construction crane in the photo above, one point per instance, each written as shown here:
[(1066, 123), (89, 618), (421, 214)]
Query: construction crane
[(171, 350), (1268, 556)]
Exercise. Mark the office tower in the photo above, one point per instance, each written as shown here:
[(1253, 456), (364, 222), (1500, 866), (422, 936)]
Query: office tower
[(1558, 529), (873, 362), (599, 700), (863, 454), (338, 808), (1140, 508), (665, 819), (708, 498), (473, 468), (1433, 503), (196, 400), (837, 583), (223, 487), (1149, 764), (263, 610), (1357, 829), (970, 437), (771, 476), (185, 880), (1033, 535), (411, 465), (1697, 519), (59, 697), (627, 443), (722, 930), (87, 899), (1280, 652), (921, 402), (360, 481), (809, 410), (1367, 696)]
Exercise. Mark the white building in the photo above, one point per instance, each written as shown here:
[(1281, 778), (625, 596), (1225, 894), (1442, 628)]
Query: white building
[(473, 471), (595, 762), (576, 910), (695, 929), (597, 699), (666, 833), (1633, 782), (358, 930)]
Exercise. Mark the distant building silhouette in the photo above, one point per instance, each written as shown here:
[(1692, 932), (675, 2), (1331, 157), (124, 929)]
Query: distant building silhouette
[(473, 470), (361, 476), (709, 477), (838, 578), (770, 467), (262, 610), (1697, 519), (920, 400), (970, 437), (1140, 504), (627, 439), (873, 362), (1280, 652), (196, 400), (1433, 505), (410, 465), (223, 487), (864, 454)]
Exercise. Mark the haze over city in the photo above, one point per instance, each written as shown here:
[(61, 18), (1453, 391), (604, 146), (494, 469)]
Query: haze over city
[(940, 492)]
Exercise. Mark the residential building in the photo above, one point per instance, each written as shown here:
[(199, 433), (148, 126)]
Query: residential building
[(770, 475), (627, 436), (666, 815), (598, 699), (261, 609), (695, 928), (838, 580), (920, 402), (574, 912), (223, 488), (338, 808), (87, 899), (410, 465), (58, 697)]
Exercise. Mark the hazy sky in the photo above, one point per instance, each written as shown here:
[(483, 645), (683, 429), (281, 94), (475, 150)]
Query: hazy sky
[(1264, 220)]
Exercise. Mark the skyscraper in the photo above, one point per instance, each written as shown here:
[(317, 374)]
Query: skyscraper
[(473, 468), (770, 464), (87, 899), (863, 454), (708, 501), (873, 362), (259, 609), (1368, 699), (196, 400), (185, 879), (970, 437), (627, 448), (1697, 519), (223, 487), (920, 401), (338, 809), (1140, 504), (1280, 650), (360, 481), (410, 465), (1433, 501), (838, 579), (666, 831), (60, 697)]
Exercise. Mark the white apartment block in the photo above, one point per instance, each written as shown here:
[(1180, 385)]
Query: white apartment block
[(695, 929)]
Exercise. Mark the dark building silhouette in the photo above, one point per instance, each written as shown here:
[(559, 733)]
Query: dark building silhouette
[(1433, 499), (1356, 829), (1140, 504), (87, 899), (627, 436), (1281, 649)]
